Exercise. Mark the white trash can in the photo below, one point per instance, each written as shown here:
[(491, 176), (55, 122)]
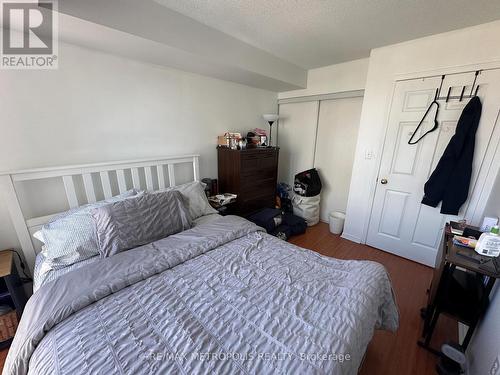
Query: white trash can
[(337, 222)]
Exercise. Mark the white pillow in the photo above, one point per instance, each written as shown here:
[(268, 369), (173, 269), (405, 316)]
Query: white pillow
[(39, 236), (71, 237), (196, 200)]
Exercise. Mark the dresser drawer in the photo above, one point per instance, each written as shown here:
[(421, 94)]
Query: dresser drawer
[(258, 153), (251, 174), (259, 173), (250, 205), (256, 186), (258, 161)]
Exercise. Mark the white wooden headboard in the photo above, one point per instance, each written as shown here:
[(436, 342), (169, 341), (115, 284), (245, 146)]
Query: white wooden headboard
[(96, 177)]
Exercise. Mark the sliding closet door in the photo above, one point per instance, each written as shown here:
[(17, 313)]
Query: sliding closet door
[(296, 138), (336, 142)]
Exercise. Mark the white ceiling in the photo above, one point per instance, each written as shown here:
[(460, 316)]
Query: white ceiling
[(314, 33), (147, 31)]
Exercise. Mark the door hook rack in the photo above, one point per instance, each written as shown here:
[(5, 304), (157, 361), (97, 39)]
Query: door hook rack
[(473, 90)]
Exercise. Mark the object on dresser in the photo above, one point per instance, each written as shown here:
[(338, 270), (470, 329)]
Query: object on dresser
[(253, 140), (488, 223), (262, 134), (457, 227), (489, 243), (229, 140), (472, 232), (222, 199), (251, 174), (242, 144), (465, 241)]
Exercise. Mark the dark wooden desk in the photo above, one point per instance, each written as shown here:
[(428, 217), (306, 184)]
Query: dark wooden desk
[(452, 263)]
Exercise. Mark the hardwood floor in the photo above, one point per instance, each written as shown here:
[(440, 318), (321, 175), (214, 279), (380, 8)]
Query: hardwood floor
[(388, 353), (3, 355)]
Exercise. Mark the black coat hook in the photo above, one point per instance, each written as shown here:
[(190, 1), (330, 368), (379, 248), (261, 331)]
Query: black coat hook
[(474, 83), (462, 93)]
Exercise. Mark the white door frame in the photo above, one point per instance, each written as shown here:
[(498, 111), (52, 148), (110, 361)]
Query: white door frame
[(491, 158)]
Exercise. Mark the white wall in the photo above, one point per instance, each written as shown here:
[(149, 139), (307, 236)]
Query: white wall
[(493, 205), (99, 107), (485, 345), (346, 76), (451, 50)]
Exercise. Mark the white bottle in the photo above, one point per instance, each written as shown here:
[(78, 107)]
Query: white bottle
[(489, 243)]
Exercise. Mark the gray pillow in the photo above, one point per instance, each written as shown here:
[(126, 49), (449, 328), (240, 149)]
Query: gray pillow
[(195, 198), (70, 237), (137, 221)]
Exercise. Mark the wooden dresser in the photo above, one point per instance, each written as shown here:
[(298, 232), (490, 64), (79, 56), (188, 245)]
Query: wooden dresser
[(251, 174)]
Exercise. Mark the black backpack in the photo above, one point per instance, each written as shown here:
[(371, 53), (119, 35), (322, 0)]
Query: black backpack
[(307, 183)]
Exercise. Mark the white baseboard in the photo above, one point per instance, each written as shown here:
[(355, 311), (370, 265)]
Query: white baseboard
[(350, 237)]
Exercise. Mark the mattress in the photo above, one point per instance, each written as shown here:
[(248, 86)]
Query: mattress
[(223, 297)]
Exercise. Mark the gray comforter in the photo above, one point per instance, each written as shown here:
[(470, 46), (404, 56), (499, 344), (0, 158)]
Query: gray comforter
[(223, 297)]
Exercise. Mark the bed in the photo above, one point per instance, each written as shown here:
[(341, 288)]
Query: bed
[(221, 296)]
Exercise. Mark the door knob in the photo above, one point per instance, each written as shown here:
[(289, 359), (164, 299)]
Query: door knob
[(383, 181)]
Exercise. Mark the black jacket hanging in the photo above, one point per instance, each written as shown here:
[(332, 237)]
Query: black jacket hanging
[(451, 179)]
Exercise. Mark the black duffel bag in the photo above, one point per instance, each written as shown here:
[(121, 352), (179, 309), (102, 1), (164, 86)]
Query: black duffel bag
[(279, 224), (307, 183), (296, 224), (267, 218)]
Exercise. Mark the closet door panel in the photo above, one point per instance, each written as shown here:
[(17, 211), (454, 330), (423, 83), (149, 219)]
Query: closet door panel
[(296, 138), (336, 144)]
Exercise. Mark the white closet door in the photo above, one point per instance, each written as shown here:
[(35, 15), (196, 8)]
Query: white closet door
[(335, 147), (297, 131)]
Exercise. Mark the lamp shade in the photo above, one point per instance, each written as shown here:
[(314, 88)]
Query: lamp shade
[(270, 117)]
